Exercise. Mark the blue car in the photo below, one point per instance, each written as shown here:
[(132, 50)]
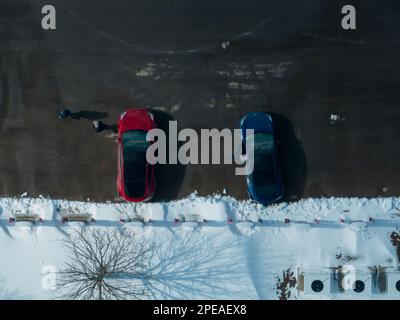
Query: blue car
[(265, 183)]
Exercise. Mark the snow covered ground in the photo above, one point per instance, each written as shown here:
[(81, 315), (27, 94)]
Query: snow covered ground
[(210, 247)]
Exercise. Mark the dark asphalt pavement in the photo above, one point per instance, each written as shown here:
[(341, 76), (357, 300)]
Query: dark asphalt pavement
[(334, 93)]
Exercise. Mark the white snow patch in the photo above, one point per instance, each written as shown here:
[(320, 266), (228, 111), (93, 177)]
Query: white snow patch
[(147, 71), (213, 247), (175, 108), (277, 70)]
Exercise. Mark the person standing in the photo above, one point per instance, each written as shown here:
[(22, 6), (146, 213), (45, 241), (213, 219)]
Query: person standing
[(98, 125), (64, 114)]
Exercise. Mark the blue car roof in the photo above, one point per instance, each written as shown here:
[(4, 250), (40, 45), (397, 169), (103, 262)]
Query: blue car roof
[(258, 121)]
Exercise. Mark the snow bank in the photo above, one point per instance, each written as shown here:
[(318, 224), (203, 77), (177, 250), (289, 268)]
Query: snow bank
[(210, 208), (232, 249)]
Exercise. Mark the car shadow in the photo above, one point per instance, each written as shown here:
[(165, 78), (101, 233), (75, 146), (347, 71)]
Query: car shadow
[(169, 177), (89, 115), (292, 157)]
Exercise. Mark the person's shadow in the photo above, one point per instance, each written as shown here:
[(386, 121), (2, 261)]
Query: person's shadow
[(292, 158), (95, 115), (89, 115), (110, 127), (169, 177)]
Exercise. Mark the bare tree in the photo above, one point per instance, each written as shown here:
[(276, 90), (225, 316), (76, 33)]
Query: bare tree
[(104, 264)]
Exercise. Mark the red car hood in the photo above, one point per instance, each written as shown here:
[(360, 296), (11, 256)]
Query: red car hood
[(135, 119)]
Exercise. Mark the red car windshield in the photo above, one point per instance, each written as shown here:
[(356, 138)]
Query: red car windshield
[(134, 146)]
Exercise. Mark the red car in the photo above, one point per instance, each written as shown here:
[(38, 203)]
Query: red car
[(135, 180)]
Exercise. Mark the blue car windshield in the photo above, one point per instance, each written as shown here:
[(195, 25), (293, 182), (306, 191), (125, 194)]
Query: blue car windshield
[(263, 176), (134, 146)]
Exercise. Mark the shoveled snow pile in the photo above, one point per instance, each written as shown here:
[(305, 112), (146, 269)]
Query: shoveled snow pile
[(211, 247)]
